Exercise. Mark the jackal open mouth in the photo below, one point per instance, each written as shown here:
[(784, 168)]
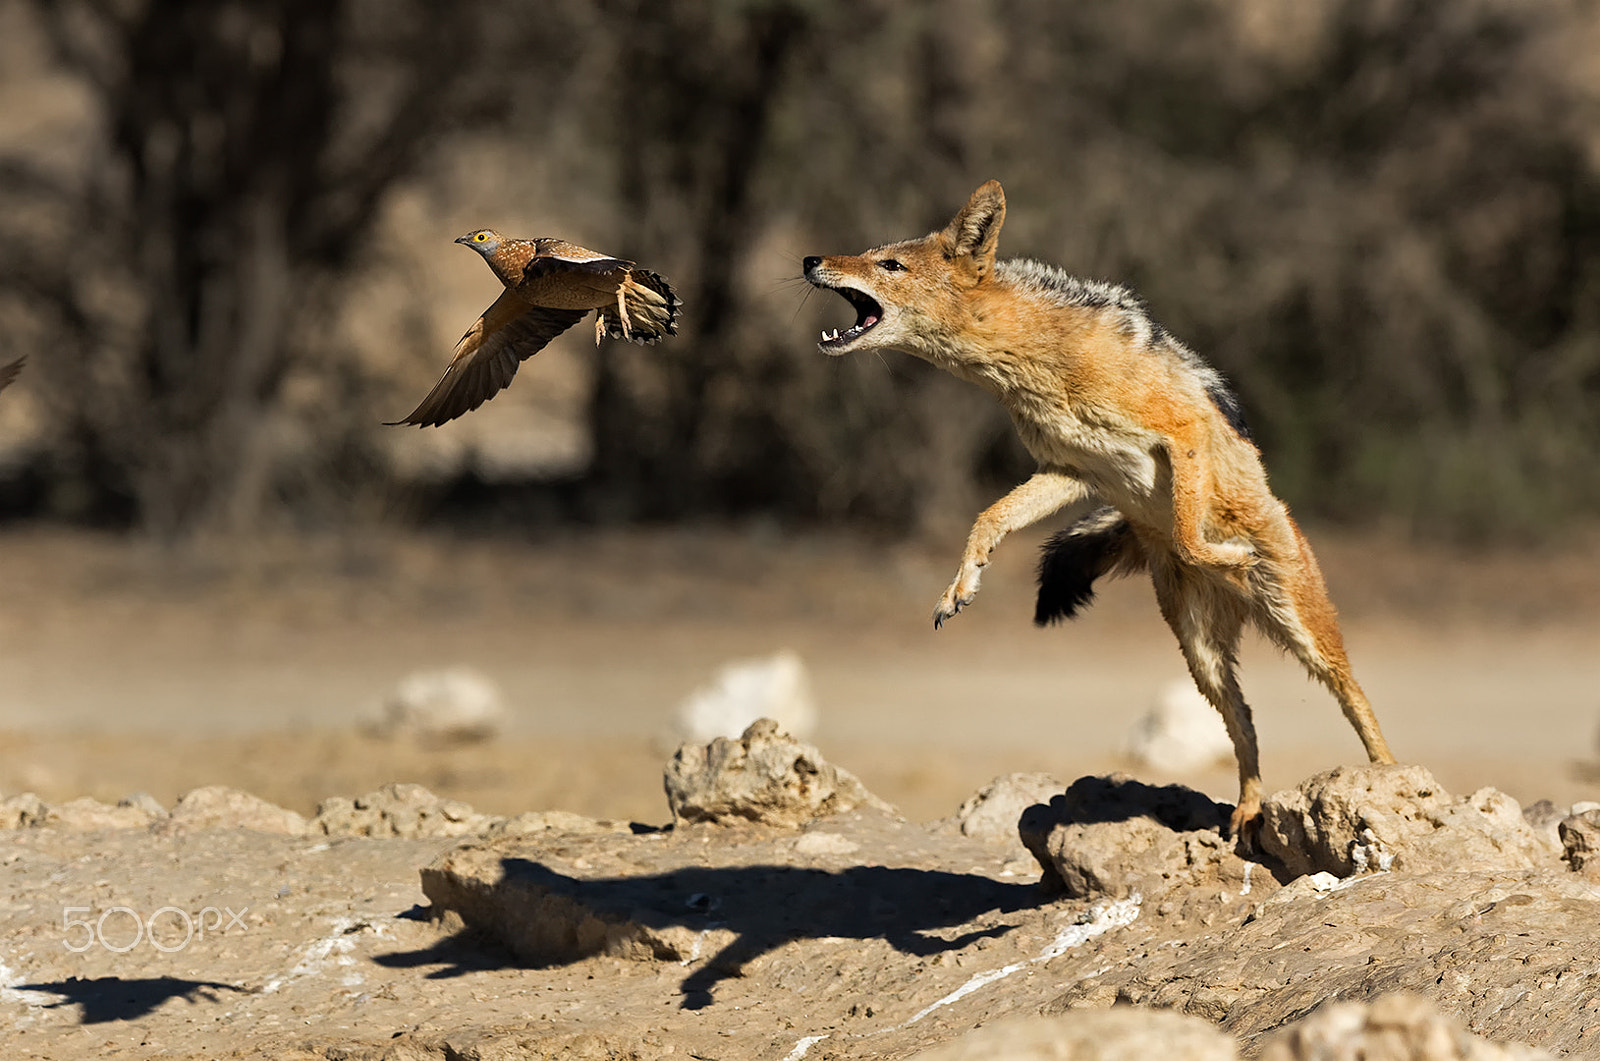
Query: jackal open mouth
[(868, 313)]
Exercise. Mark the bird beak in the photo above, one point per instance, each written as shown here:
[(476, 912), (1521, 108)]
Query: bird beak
[(461, 239)]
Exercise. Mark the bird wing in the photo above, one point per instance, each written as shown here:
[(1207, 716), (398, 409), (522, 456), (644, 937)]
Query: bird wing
[(486, 358), (559, 251), (8, 374), (553, 256)]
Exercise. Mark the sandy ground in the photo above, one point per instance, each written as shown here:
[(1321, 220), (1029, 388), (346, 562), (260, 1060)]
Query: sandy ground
[(124, 670)]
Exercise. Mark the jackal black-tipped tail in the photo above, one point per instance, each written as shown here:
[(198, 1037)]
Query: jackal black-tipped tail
[(1100, 543)]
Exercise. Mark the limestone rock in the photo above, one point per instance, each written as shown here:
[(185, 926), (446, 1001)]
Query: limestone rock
[(398, 810), (221, 807), (144, 801), (1360, 819), (1114, 836), (543, 916), (1580, 841), (993, 814), (1545, 817), (23, 811), (765, 776), (80, 815), (1394, 1027), (819, 844), (744, 691), (1506, 951), (1181, 732), (452, 704), (553, 821), (87, 815), (1121, 1034)]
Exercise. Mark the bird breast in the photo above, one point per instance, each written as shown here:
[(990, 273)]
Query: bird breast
[(572, 289)]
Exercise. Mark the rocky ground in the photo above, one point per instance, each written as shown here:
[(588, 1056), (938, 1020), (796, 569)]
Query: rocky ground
[(788, 913), (779, 910)]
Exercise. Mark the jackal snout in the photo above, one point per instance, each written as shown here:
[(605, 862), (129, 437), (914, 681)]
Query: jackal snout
[(869, 311)]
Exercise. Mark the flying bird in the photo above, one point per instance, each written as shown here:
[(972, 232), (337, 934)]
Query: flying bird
[(8, 373), (550, 285)]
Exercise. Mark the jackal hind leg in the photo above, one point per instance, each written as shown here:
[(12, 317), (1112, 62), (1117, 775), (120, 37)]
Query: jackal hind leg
[(1293, 610), (1208, 622)]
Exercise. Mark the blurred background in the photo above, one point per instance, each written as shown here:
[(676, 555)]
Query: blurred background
[(225, 252)]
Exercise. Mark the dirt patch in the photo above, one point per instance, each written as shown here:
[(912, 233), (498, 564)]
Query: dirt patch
[(860, 935), (124, 670), (400, 925)]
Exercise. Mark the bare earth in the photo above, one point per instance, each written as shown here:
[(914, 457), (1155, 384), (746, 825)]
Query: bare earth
[(125, 671)]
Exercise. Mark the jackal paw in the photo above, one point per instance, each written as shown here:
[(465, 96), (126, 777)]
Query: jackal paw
[(960, 594), (1244, 825), (1236, 552)]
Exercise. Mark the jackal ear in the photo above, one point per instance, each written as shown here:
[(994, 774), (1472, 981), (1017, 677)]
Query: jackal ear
[(974, 233)]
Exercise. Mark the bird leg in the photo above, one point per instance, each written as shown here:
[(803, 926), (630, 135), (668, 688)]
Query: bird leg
[(622, 309)]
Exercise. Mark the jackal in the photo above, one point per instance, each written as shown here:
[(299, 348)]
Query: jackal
[(1112, 407)]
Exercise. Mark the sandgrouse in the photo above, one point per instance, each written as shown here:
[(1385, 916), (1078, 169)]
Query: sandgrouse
[(550, 285)]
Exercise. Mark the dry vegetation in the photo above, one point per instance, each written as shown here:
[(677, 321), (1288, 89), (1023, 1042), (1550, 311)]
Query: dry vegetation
[(1380, 217)]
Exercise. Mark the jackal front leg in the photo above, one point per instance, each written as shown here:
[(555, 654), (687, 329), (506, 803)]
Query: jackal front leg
[(1040, 495)]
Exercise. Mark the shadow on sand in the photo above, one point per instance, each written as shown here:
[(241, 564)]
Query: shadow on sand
[(764, 907), (109, 998), (544, 918)]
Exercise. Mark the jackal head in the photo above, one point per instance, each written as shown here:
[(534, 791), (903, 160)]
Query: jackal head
[(912, 295)]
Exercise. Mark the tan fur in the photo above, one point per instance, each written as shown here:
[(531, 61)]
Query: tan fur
[(1111, 407)]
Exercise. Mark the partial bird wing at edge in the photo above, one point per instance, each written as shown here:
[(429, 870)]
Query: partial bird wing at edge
[(8, 374), (486, 358)]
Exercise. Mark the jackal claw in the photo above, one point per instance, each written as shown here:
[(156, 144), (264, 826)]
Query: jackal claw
[(950, 605)]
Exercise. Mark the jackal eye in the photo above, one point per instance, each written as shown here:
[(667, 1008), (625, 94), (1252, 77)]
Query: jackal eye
[(891, 265)]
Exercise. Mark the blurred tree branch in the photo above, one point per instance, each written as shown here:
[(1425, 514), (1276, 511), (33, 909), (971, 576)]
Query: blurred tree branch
[(1380, 217), (245, 157)]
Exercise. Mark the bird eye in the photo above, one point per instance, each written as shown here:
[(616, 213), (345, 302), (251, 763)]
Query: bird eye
[(891, 265), (480, 237)]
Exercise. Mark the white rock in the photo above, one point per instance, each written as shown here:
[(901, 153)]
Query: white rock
[(221, 807), (1182, 732), (1371, 818), (763, 776), (993, 813), (1123, 1033), (1392, 1027), (825, 844), (746, 690), (456, 703)]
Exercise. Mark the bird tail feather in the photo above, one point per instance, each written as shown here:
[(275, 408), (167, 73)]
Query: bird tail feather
[(651, 307)]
